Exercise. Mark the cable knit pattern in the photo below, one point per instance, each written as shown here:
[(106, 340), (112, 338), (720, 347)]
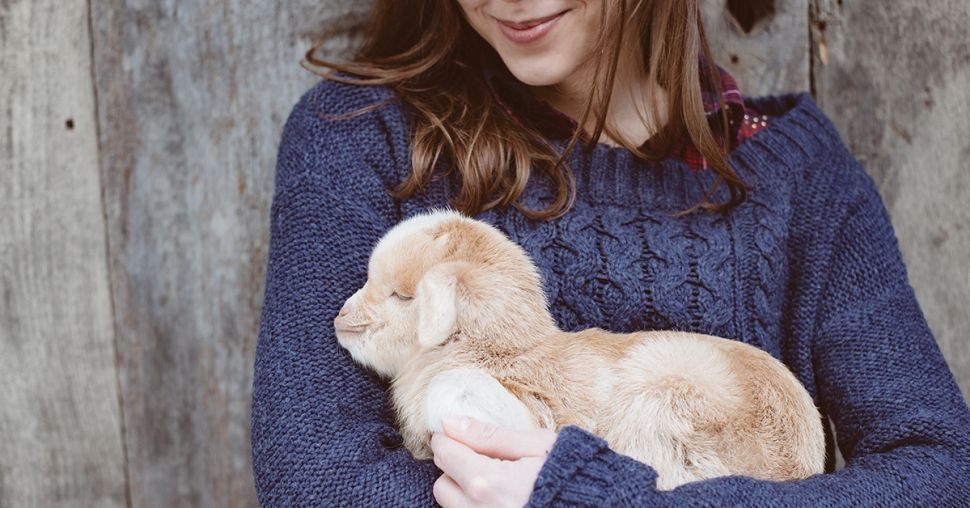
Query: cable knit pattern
[(807, 269)]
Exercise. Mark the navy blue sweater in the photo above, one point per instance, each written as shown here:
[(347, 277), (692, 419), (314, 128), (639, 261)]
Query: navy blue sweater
[(807, 269)]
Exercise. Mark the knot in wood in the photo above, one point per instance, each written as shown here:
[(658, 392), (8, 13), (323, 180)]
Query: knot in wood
[(748, 13)]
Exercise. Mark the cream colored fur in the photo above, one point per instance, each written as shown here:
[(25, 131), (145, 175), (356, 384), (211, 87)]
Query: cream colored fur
[(454, 314)]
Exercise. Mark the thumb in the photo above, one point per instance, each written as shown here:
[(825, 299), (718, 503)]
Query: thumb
[(496, 441)]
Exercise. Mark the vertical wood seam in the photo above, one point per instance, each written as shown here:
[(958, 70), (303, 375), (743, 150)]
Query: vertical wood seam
[(812, 14), (108, 259)]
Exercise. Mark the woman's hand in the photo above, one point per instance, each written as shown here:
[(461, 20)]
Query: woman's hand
[(487, 465)]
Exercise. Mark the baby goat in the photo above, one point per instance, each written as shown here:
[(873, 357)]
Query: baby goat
[(454, 314)]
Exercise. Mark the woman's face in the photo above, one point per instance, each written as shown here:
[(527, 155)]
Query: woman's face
[(542, 42)]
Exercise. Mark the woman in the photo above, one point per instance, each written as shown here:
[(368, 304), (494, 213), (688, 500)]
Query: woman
[(651, 196)]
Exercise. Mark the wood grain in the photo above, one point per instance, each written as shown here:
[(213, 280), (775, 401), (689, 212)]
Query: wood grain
[(895, 80), (60, 420), (773, 57), (193, 96)]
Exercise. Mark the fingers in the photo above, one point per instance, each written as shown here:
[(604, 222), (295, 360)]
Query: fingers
[(456, 460), (498, 442), (472, 479), (447, 493)]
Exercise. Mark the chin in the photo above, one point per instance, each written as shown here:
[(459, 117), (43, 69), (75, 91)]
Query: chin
[(537, 75)]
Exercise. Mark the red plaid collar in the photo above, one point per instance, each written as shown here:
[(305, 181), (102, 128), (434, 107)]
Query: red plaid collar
[(519, 102)]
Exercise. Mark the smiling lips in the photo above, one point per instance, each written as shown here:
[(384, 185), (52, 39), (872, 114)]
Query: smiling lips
[(529, 31)]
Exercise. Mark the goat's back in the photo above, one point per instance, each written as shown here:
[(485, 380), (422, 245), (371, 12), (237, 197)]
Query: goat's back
[(696, 406)]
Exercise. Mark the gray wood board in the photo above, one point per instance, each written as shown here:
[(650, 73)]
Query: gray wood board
[(772, 58), (192, 100), (895, 80), (60, 420)]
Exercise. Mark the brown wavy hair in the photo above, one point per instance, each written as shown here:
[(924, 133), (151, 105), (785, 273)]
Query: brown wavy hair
[(433, 59)]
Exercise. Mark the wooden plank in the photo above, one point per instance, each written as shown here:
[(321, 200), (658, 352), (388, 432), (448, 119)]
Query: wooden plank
[(192, 100), (772, 57), (895, 81), (60, 420)]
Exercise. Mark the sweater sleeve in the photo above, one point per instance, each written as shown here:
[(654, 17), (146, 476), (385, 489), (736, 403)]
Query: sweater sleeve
[(322, 434), (900, 419)]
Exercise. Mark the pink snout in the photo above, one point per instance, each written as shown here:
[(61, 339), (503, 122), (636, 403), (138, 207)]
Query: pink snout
[(349, 320), (340, 323)]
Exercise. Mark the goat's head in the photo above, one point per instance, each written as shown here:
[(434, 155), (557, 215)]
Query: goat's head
[(441, 277)]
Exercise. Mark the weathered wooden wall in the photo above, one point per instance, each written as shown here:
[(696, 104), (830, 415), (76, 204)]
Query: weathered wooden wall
[(137, 142), (60, 422), (192, 97), (770, 57)]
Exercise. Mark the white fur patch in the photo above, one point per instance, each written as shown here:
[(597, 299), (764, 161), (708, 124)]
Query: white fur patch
[(475, 394)]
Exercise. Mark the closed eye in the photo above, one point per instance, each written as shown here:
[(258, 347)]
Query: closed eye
[(403, 298)]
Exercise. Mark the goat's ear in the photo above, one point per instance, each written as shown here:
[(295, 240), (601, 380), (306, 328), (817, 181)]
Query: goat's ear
[(437, 298)]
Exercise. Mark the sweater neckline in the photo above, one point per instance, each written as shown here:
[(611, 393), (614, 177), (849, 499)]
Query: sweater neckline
[(523, 106), (797, 128), (798, 133)]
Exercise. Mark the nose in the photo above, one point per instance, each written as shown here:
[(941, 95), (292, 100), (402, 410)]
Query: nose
[(343, 311), (340, 322)]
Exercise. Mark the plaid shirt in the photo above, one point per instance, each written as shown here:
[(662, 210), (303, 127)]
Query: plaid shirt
[(743, 122)]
